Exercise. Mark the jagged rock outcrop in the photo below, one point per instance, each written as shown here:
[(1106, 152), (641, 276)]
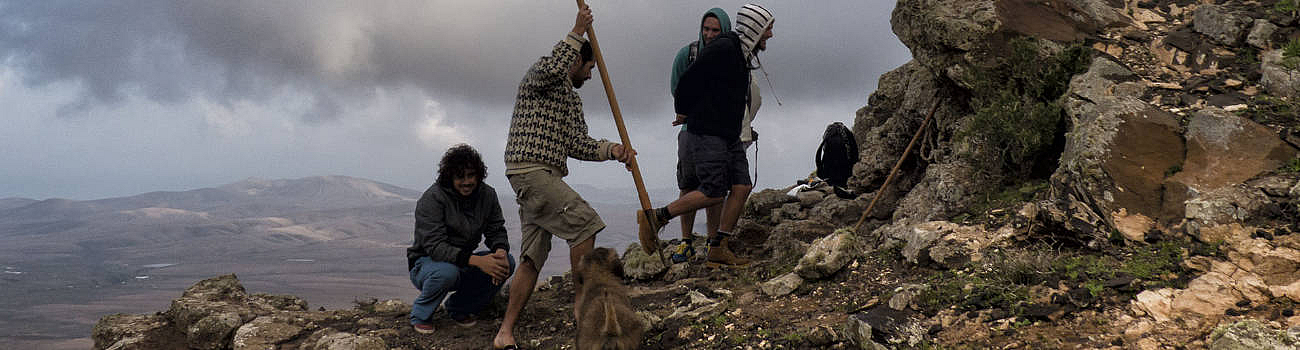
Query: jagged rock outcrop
[(1130, 166), (217, 313)]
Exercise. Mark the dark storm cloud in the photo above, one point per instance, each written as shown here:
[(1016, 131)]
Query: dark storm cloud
[(338, 52)]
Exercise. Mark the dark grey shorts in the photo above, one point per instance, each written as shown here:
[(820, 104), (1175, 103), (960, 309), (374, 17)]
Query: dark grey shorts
[(710, 164)]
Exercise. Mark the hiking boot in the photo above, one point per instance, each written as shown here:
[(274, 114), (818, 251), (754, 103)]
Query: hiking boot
[(463, 320), (650, 225), (683, 252), (422, 328), (721, 256)]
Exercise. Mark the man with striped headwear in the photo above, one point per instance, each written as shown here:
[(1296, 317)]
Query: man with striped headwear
[(710, 99)]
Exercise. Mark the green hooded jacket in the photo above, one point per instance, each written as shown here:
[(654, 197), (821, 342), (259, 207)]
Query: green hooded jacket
[(683, 59)]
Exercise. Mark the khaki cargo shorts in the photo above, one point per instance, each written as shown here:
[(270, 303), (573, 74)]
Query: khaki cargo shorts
[(549, 207)]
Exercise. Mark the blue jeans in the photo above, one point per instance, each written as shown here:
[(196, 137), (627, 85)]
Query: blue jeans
[(435, 279)]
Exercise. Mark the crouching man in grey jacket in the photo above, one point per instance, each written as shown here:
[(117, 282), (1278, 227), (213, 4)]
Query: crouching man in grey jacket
[(451, 218)]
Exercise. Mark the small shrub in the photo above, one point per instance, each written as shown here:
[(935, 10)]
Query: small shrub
[(1176, 168), (1272, 110), (1292, 166), (1287, 7), (1291, 54), (1248, 56), (1017, 104)]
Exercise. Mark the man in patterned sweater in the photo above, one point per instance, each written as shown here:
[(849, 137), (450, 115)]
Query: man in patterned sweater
[(546, 129)]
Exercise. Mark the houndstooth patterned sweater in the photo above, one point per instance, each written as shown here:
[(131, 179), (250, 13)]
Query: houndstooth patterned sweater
[(547, 126)]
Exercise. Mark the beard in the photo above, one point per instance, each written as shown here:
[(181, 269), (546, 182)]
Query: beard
[(578, 84)]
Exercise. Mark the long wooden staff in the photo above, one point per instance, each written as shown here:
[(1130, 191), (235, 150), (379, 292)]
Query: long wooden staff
[(618, 120), (897, 165)]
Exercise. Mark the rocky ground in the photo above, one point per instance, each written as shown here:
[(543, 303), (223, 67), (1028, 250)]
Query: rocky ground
[(1100, 174)]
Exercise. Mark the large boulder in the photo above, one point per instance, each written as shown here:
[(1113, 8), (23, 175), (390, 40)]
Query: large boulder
[(952, 36), (1210, 214), (945, 244), (1117, 156), (641, 266), (330, 339), (884, 127), (760, 204), (1251, 334), (209, 312), (1223, 148), (827, 255), (266, 332), (208, 315), (839, 212), (1221, 24), (785, 284), (944, 190), (1276, 78), (126, 332)]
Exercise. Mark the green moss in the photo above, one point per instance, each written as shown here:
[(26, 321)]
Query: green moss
[(1272, 110), (1004, 278), (1004, 197), (793, 337)]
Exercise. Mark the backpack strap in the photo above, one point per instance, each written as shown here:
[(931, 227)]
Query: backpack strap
[(818, 158), (694, 53)]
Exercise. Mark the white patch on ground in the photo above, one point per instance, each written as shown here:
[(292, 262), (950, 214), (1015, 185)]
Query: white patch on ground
[(306, 232), (159, 213)]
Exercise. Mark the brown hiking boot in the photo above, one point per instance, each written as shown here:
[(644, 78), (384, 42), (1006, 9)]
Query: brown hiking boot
[(649, 230), (721, 256)]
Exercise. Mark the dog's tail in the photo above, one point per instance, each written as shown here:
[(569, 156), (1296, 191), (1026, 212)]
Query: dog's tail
[(612, 327)]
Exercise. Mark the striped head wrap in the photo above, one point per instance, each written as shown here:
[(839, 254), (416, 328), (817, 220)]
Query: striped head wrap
[(751, 22)]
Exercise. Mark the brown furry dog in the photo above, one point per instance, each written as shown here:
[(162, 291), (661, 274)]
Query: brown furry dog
[(607, 320)]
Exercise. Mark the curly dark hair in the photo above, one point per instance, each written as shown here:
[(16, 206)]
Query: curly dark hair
[(456, 161)]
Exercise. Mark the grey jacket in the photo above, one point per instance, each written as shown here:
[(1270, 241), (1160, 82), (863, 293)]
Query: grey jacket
[(448, 227)]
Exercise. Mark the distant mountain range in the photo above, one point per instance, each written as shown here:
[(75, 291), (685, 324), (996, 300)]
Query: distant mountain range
[(331, 239)]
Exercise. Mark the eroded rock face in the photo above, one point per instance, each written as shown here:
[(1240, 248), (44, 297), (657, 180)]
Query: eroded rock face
[(1256, 270), (1116, 155)]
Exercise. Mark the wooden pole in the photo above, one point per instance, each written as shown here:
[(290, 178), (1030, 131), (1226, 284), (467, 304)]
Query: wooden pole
[(893, 172), (618, 114), (618, 121)]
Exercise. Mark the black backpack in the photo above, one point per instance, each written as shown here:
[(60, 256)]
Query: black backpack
[(836, 155)]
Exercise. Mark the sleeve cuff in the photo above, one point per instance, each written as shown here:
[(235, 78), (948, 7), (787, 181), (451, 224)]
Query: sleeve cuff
[(462, 259), (505, 247), (574, 40), (609, 150)]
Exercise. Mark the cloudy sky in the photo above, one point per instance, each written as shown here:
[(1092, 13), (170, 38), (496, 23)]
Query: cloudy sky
[(113, 98)]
